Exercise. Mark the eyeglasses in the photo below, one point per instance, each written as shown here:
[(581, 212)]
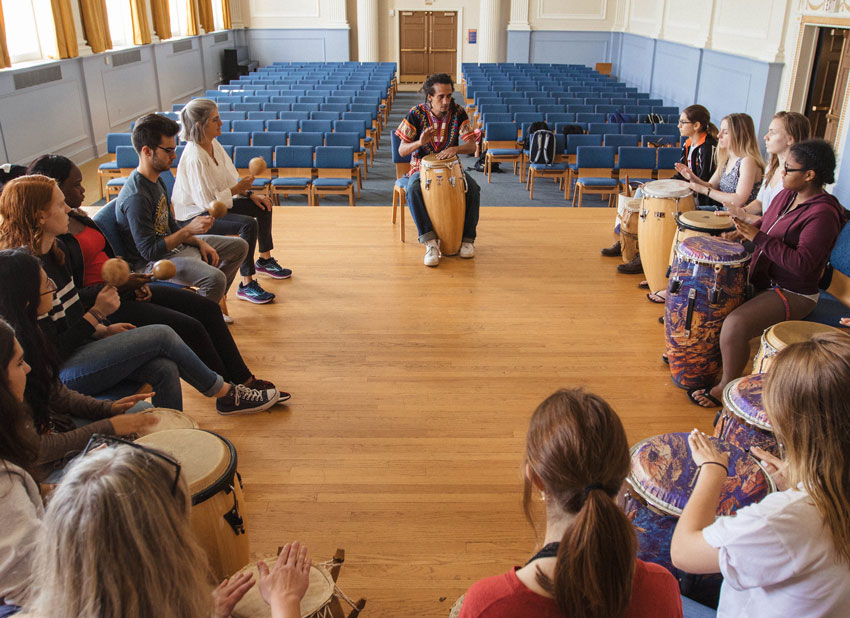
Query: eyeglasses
[(788, 170), (51, 287), (168, 150), (98, 440), (686, 121)]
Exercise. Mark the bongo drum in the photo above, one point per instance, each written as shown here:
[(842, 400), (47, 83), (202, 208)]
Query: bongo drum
[(659, 485), (743, 421), (662, 200), (166, 419), (699, 223), (628, 212), (783, 334), (707, 281), (208, 463), (444, 191)]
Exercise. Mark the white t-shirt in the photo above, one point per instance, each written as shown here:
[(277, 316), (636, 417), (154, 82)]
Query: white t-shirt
[(21, 511), (200, 181), (777, 559), (767, 193)]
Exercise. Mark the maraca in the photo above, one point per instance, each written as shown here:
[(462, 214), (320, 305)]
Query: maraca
[(164, 269), (115, 272), (217, 209), (257, 166)]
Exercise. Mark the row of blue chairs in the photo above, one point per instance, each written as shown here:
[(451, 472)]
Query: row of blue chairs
[(571, 116)]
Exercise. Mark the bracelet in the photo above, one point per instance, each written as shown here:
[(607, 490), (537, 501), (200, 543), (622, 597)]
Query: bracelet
[(97, 315), (716, 463)]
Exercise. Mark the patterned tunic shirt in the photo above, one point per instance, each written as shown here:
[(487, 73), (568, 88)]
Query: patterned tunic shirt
[(448, 130)]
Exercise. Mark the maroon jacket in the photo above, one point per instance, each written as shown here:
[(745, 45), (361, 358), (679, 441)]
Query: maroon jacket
[(791, 250)]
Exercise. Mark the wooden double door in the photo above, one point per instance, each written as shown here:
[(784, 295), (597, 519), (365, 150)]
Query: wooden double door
[(428, 44), (829, 82)]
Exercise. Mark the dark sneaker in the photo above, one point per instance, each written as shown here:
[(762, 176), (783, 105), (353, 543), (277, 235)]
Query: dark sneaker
[(265, 384), (270, 268), (243, 400), (253, 293), (612, 251), (635, 267)]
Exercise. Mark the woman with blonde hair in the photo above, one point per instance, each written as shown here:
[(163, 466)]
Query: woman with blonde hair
[(577, 457), (116, 543), (789, 554), (739, 167)]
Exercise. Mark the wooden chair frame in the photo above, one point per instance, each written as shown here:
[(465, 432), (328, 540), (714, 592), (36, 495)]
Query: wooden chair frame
[(595, 172), (292, 172), (334, 172), (400, 195), (490, 158)]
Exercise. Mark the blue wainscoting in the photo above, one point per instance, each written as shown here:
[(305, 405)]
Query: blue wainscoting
[(270, 45), (553, 46)]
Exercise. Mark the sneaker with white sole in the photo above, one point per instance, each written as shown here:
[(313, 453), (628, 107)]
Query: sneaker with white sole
[(243, 400), (270, 268), (467, 250), (432, 254), (253, 293)]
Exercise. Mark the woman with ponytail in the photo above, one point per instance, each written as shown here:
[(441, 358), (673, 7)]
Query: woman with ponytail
[(577, 458)]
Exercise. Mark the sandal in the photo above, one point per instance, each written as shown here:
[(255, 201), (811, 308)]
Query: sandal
[(655, 298), (661, 320), (644, 285), (706, 394), (665, 359)]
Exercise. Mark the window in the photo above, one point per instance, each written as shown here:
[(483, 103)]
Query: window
[(30, 34), (120, 22), (179, 12), (218, 18)]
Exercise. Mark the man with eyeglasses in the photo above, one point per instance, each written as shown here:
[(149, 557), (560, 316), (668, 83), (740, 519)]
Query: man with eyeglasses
[(146, 222)]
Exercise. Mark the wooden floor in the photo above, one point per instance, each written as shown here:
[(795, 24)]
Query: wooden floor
[(412, 389)]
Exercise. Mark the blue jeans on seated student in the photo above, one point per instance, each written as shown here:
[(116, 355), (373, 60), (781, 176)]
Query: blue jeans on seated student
[(154, 354), (416, 203), (692, 609)]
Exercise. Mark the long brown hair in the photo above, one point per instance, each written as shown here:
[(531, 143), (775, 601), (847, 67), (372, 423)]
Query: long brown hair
[(18, 440), (699, 113), (807, 399), (797, 127), (22, 202), (577, 448)]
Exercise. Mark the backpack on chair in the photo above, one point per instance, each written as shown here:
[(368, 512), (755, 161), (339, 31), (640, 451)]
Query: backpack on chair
[(541, 144)]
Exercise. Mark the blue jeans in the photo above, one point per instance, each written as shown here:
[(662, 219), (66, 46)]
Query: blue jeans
[(153, 354), (692, 609), (416, 203)]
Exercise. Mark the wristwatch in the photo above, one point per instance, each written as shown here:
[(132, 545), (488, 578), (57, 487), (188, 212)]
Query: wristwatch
[(248, 193)]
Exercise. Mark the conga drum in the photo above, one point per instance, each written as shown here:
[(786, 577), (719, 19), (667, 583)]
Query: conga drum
[(444, 191), (662, 201), (628, 212), (208, 463), (166, 419), (707, 281), (699, 223), (743, 421), (660, 483), (781, 335)]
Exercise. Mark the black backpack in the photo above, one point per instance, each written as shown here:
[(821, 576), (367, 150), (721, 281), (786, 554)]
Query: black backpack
[(653, 119), (542, 147)]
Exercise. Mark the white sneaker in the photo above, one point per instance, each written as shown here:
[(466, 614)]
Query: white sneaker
[(432, 254), (467, 250)]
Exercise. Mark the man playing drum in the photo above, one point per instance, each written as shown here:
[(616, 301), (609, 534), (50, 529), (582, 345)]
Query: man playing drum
[(437, 127)]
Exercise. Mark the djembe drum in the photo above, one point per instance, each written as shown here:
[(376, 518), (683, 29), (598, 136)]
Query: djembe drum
[(444, 192), (698, 223), (628, 212), (662, 201), (743, 420), (781, 335), (166, 419)]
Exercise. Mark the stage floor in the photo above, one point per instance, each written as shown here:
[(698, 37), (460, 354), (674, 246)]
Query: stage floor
[(412, 390)]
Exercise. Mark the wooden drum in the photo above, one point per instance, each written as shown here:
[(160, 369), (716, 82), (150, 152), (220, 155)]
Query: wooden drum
[(780, 336), (662, 201), (208, 463), (444, 191), (166, 419), (699, 223), (628, 211)]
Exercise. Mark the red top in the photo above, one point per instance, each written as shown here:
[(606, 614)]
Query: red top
[(92, 245), (655, 594)]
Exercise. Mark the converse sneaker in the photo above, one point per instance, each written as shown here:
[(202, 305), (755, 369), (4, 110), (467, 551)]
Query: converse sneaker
[(432, 254), (243, 400), (270, 268), (258, 384), (467, 250), (253, 293)]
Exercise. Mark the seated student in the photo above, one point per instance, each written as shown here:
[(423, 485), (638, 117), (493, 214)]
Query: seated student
[(577, 458), (21, 508), (206, 174), (147, 226), (788, 555), (792, 245), (197, 320), (136, 498)]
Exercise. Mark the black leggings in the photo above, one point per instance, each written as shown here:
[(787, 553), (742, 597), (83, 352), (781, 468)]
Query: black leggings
[(196, 320)]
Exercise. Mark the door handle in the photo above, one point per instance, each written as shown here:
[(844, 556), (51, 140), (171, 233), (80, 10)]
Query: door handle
[(820, 108)]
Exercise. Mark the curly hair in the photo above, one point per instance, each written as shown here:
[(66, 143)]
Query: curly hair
[(432, 80), (818, 156)]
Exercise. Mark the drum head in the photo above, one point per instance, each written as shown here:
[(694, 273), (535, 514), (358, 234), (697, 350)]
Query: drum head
[(711, 250), (204, 456), (166, 419), (743, 398), (318, 594), (784, 334), (431, 160), (668, 188), (704, 221), (629, 205), (663, 474)]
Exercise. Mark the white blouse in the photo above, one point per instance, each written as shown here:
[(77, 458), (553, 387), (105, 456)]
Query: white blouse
[(200, 181), (21, 510)]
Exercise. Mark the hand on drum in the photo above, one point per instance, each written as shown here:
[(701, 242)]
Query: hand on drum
[(703, 450), (129, 424), (120, 406), (230, 592), (447, 153), (775, 467), (684, 171), (285, 584), (745, 229)]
